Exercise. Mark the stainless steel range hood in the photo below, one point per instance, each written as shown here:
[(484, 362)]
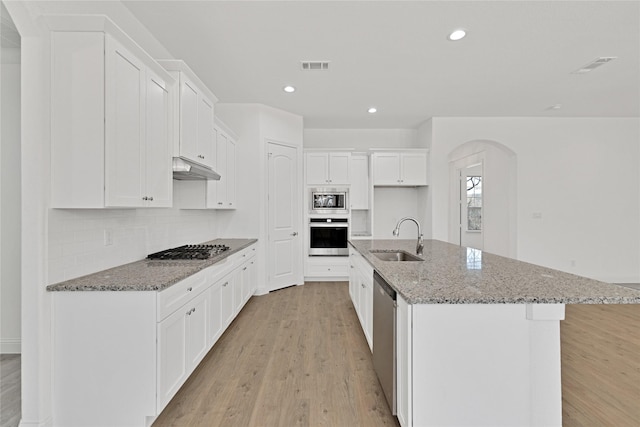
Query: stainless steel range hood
[(185, 169)]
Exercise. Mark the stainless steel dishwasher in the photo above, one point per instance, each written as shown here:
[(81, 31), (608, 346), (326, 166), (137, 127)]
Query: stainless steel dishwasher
[(384, 338)]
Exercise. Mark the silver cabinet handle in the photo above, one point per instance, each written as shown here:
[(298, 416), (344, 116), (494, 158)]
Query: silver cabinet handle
[(244, 269), (295, 233), (230, 203), (145, 198), (151, 199), (225, 284), (189, 289), (220, 203), (362, 284), (200, 156)]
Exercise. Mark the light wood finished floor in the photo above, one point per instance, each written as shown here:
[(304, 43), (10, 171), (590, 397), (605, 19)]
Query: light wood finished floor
[(295, 357), (601, 365), (9, 390)]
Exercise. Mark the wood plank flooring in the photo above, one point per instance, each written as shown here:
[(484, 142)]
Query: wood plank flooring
[(9, 390), (295, 357), (601, 365)]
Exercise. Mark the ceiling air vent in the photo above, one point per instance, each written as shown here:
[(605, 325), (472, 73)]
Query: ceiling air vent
[(594, 64), (315, 65)]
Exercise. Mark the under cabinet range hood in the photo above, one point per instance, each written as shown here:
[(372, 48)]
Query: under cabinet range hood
[(185, 169)]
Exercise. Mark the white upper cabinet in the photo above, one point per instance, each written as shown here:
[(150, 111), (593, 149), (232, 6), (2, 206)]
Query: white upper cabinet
[(327, 168), (210, 194), (400, 168), (359, 193), (192, 135), (225, 188), (110, 121)]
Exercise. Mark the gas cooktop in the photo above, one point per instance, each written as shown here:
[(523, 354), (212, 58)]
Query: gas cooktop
[(190, 252)]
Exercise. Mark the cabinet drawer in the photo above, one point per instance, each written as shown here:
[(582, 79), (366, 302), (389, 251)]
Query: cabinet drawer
[(338, 270), (177, 295)]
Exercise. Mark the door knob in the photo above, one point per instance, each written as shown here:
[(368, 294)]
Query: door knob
[(295, 233)]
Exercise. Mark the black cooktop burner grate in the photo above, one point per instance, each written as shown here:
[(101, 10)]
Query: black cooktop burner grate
[(190, 252)]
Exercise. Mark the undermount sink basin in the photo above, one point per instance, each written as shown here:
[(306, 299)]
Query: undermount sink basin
[(395, 256)]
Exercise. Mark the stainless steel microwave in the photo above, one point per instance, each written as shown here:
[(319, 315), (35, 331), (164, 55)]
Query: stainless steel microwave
[(329, 200)]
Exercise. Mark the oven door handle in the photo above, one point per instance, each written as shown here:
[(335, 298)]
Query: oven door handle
[(329, 224)]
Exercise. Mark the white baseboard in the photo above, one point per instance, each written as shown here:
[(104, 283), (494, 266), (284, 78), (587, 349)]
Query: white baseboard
[(46, 423), (10, 346), (261, 291)]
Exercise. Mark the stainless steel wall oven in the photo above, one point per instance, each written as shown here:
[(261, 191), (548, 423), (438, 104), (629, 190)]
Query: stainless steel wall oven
[(328, 236)]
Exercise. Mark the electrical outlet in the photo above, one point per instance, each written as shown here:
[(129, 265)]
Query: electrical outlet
[(573, 263), (108, 237)]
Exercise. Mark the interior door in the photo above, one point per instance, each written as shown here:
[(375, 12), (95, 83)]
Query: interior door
[(470, 206), (283, 204)]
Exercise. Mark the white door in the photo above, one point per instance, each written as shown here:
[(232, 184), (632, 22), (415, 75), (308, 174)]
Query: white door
[(469, 212), (283, 206)]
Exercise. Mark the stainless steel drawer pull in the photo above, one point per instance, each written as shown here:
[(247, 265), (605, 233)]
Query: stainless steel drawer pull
[(189, 289)]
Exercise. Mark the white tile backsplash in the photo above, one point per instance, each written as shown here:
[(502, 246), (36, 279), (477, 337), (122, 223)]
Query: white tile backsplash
[(76, 236)]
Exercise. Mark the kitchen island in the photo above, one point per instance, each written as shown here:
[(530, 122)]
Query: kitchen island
[(478, 335)]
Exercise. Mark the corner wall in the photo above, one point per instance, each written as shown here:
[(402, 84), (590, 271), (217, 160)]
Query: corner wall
[(579, 175), (256, 125)]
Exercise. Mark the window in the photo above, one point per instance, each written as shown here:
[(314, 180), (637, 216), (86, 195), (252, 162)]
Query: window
[(474, 203)]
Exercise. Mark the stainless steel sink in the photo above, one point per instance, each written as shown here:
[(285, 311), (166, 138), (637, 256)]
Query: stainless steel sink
[(395, 256)]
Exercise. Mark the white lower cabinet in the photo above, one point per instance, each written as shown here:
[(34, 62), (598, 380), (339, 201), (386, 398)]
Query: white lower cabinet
[(227, 309), (326, 268), (361, 292), (182, 344), (120, 357)]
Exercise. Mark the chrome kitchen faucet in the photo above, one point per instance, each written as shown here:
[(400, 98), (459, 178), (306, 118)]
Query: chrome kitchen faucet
[(420, 245)]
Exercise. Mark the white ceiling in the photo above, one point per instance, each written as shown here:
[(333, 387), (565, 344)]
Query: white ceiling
[(516, 60)]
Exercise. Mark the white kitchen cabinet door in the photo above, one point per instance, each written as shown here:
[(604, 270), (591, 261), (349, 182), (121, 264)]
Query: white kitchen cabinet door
[(124, 126), (227, 307), (359, 172), (413, 167), (317, 169), (231, 174), (366, 305), (188, 119), (386, 169), (158, 176), (222, 143), (197, 335), (215, 313), (172, 357), (339, 168), (238, 301), (250, 280), (206, 143)]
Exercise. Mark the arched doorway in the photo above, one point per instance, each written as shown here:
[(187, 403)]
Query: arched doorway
[(482, 207)]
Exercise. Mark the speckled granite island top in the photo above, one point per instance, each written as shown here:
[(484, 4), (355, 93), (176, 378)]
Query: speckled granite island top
[(451, 274), (149, 275)]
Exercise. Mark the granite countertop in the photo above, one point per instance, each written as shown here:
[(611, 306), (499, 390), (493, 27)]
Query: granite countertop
[(149, 275), (452, 274)]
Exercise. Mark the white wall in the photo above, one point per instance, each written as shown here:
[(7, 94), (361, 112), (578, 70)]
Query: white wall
[(10, 201), (76, 237), (256, 125), (360, 139), (580, 174)]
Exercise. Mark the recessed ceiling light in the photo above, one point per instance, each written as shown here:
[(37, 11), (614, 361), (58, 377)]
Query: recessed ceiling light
[(554, 107), (457, 34), (289, 89), (372, 110)]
